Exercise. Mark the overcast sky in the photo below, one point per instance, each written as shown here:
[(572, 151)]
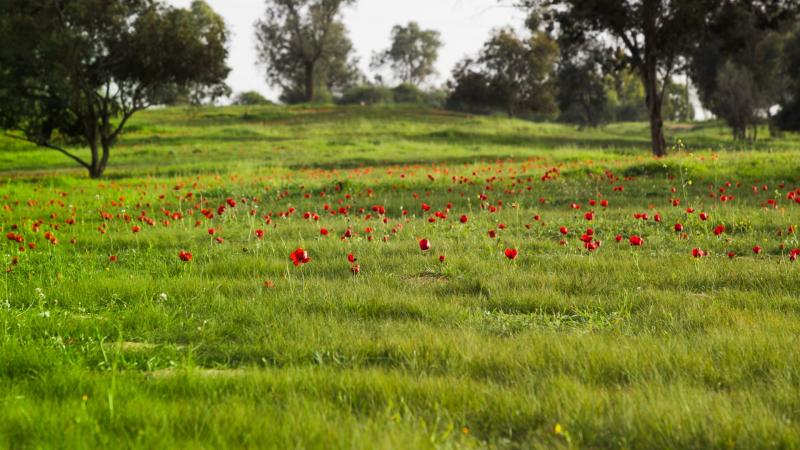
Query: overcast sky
[(464, 25)]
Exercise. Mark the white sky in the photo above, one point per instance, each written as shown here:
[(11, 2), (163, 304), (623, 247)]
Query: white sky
[(464, 25)]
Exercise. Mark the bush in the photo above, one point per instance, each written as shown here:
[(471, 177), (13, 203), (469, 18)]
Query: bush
[(368, 95), (408, 93), (250, 98)]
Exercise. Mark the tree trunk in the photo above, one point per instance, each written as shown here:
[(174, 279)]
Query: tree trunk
[(650, 79), (657, 141), (309, 75), (99, 160)]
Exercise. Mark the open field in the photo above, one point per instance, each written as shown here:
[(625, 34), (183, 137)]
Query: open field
[(108, 338)]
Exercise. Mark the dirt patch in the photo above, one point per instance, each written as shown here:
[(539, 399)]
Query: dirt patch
[(200, 372), (426, 278)]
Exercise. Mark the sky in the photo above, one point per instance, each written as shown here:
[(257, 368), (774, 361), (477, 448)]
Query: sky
[(464, 25)]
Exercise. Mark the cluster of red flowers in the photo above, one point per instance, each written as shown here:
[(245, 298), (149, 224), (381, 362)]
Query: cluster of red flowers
[(495, 189)]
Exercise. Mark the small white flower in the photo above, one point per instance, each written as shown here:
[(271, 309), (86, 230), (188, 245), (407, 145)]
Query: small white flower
[(40, 294), (45, 314), (162, 297)]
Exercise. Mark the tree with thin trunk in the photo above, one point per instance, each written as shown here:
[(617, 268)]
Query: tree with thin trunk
[(654, 36), (412, 55), (303, 45), (73, 72)]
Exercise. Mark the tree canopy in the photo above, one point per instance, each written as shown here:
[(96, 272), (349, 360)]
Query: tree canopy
[(304, 47), (512, 73), (412, 55), (73, 72)]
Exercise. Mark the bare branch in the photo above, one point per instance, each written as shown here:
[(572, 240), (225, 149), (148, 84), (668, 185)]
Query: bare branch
[(50, 146)]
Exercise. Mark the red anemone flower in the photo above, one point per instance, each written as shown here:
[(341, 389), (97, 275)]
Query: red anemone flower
[(424, 245), (511, 253), (185, 256), (299, 257), (636, 241)]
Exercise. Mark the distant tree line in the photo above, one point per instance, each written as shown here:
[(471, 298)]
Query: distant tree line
[(73, 72)]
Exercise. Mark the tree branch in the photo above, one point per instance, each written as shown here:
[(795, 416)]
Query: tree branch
[(50, 146)]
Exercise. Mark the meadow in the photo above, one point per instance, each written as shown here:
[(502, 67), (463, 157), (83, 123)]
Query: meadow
[(331, 277)]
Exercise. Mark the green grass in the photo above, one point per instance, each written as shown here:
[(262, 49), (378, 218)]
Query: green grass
[(623, 347)]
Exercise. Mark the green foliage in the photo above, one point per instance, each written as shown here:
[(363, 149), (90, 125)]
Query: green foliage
[(367, 95), (412, 55), (511, 73), (250, 98), (73, 73), (583, 96), (305, 49), (648, 37), (739, 67), (409, 93)]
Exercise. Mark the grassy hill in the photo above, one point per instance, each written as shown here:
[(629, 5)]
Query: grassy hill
[(576, 292)]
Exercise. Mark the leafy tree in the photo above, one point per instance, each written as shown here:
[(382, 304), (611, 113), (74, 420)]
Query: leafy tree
[(583, 88), (250, 98), (412, 55), (512, 73), (742, 50), (789, 116), (305, 48), (655, 36), (73, 72)]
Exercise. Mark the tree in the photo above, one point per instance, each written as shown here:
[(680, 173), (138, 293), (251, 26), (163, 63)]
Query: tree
[(304, 46), (583, 88), (412, 55), (73, 72), (653, 33), (510, 73), (250, 98), (789, 115), (742, 49)]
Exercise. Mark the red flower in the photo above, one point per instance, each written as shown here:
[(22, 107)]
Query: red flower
[(351, 258), (463, 219), (426, 207), (424, 245), (259, 234), (731, 255), (618, 238), (703, 216), (636, 241), (212, 231), (185, 256), (299, 257), (492, 233), (136, 229), (355, 269), (794, 254), (112, 258), (589, 216), (511, 253), (757, 249), (719, 229), (604, 203), (678, 227), (441, 258), (564, 230), (698, 253), (323, 231)]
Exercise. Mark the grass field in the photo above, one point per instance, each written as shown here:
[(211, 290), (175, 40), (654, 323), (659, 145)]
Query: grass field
[(110, 339)]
